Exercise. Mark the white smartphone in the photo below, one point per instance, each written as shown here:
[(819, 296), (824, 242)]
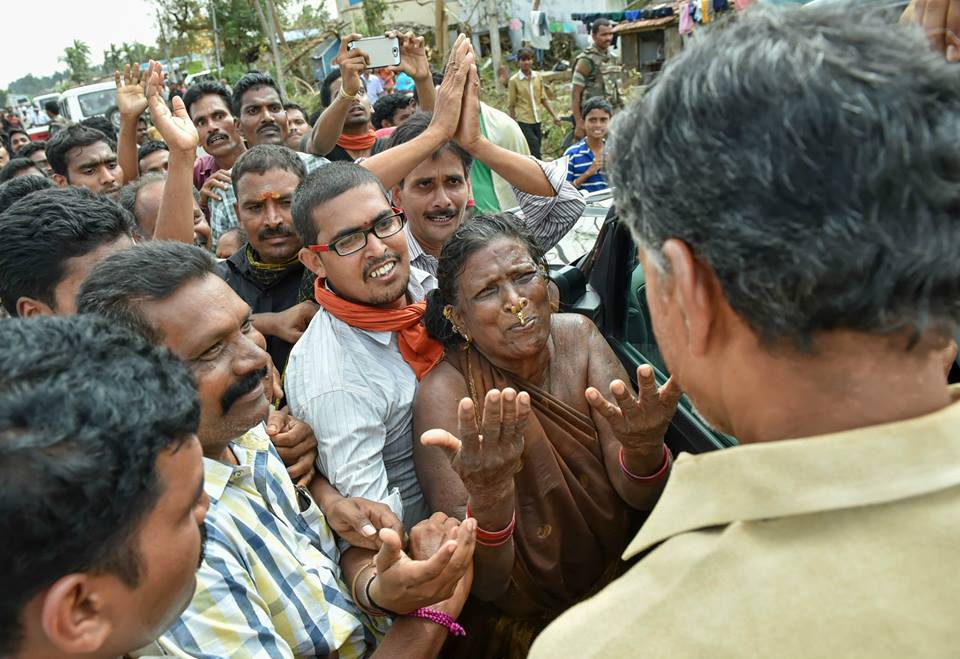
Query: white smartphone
[(382, 51)]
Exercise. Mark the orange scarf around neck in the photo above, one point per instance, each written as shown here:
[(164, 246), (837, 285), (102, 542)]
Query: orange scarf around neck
[(357, 142), (420, 351)]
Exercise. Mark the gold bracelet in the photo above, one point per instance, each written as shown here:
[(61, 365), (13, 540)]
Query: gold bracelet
[(366, 607), (349, 97)]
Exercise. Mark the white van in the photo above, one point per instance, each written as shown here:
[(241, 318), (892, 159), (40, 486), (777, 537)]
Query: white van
[(80, 103)]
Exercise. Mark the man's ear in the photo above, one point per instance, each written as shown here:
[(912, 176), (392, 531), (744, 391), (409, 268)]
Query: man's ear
[(312, 262), (697, 293), (61, 180), (396, 196), (72, 615), (27, 307)]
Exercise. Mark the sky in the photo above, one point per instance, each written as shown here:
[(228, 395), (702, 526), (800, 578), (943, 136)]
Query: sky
[(36, 48)]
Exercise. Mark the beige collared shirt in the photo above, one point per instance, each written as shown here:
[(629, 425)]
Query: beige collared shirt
[(843, 545)]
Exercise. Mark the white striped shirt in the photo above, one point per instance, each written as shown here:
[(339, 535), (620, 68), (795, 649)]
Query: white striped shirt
[(547, 218), (354, 389)]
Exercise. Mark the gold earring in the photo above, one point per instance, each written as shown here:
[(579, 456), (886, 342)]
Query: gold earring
[(448, 314)]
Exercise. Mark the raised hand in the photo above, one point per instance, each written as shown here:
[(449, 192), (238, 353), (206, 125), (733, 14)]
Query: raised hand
[(638, 423), (941, 21), (486, 458), (174, 125), (468, 133), (352, 63), (413, 56), (446, 110), (131, 92), (404, 584)]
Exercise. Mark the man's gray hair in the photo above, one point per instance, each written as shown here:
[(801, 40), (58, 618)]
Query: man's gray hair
[(812, 159)]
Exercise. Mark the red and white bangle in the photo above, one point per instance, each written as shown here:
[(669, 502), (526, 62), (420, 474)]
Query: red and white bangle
[(494, 538), (652, 478), (442, 619)]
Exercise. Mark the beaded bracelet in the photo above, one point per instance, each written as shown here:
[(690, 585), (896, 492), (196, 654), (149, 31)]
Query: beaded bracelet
[(660, 473), (494, 538), (440, 618)]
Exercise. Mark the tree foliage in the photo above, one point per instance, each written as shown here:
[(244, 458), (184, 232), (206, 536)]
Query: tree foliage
[(77, 59), (31, 85)]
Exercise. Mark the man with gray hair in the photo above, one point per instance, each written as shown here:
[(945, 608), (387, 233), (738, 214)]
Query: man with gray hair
[(803, 295)]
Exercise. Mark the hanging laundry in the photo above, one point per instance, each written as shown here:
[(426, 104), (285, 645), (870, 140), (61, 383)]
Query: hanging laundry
[(705, 11), (742, 4), (632, 14), (686, 20), (720, 5)]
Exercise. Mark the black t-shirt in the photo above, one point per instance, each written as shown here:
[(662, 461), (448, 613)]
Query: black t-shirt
[(339, 153)]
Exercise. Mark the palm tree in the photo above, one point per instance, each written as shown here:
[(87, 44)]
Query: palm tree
[(77, 59)]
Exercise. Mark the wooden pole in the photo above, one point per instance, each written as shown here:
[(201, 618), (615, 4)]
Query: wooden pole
[(270, 31), (493, 25), (276, 22), (440, 24)]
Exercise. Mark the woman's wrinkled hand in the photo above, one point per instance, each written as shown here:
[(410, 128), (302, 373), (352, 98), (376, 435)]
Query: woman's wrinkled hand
[(638, 423), (486, 457)]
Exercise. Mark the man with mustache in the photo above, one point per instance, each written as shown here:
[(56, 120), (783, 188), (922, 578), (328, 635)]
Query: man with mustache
[(103, 507), (257, 105), (274, 582), (208, 105), (265, 271)]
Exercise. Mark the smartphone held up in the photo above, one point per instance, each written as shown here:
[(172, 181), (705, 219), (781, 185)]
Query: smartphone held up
[(381, 51)]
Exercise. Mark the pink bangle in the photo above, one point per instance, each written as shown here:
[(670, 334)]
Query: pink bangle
[(440, 618), (660, 473)]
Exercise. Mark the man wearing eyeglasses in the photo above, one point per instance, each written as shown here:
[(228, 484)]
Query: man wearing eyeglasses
[(353, 373)]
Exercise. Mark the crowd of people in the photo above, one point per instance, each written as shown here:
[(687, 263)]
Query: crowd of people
[(304, 394)]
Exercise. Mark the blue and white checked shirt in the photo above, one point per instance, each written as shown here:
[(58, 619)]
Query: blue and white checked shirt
[(270, 585)]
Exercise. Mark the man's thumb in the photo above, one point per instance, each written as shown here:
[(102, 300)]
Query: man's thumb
[(362, 525), (390, 551)]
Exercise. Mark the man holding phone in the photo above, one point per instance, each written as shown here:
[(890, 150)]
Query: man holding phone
[(348, 112)]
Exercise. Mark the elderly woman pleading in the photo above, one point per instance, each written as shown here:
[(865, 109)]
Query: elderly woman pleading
[(517, 434)]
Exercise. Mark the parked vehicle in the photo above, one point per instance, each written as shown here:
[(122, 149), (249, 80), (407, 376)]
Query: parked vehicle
[(206, 74), (81, 103)]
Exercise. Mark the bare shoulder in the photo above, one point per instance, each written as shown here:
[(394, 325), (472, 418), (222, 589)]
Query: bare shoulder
[(443, 382), (573, 328)]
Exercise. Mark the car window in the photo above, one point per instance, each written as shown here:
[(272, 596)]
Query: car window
[(93, 103), (640, 337)]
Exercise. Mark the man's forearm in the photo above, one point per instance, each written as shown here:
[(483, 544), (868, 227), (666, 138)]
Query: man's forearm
[(426, 93), (412, 638), (127, 148), (575, 103), (548, 107), (264, 323), (520, 171), (175, 217), (392, 165), (329, 126)]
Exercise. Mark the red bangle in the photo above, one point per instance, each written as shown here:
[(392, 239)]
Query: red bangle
[(494, 538), (660, 473)]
